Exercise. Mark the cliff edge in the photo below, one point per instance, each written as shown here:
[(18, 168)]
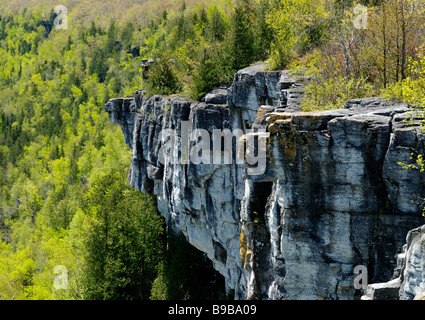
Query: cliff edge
[(285, 203)]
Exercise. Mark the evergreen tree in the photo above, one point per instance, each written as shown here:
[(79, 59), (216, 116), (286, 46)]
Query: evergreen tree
[(124, 243), (242, 37), (162, 78)]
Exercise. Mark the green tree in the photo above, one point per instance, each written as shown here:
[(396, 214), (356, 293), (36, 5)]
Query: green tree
[(127, 35), (216, 25), (292, 23), (124, 244), (213, 69), (242, 37), (162, 78)]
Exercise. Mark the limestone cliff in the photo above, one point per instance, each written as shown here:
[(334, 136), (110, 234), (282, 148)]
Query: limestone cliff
[(330, 195), (408, 280)]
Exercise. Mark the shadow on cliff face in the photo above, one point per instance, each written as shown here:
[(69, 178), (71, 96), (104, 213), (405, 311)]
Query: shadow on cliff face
[(190, 274)]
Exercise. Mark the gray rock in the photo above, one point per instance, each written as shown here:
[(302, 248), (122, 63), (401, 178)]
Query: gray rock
[(331, 197), (409, 274), (383, 291), (413, 276), (123, 111), (253, 87), (216, 96)]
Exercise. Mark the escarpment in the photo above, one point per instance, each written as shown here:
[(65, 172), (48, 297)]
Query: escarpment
[(285, 203)]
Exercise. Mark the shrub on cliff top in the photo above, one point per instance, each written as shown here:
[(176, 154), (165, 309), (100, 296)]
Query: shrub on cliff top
[(162, 78)]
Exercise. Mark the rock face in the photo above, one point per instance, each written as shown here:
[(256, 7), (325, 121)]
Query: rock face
[(291, 202), (409, 275)]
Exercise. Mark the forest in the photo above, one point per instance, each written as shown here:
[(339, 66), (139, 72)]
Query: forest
[(65, 203)]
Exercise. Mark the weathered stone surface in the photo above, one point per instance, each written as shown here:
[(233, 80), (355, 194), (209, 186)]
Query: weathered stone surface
[(216, 96), (409, 274), (253, 87), (123, 111), (332, 195), (413, 286), (383, 291)]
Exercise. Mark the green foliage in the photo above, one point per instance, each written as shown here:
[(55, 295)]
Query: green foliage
[(296, 26), (411, 89), (162, 78), (210, 72), (56, 142), (333, 93), (64, 196), (242, 36), (208, 43), (124, 240), (418, 165), (159, 290)]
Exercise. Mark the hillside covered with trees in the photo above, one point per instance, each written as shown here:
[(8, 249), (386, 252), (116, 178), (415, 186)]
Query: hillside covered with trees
[(64, 196)]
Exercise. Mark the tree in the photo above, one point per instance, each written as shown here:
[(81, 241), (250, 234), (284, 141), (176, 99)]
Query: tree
[(124, 243), (17, 270), (212, 70), (293, 23), (242, 37), (263, 34), (395, 31), (111, 45), (127, 35), (97, 64), (206, 76), (162, 78), (215, 24)]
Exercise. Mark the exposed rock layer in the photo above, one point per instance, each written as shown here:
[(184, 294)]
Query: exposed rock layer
[(331, 197)]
